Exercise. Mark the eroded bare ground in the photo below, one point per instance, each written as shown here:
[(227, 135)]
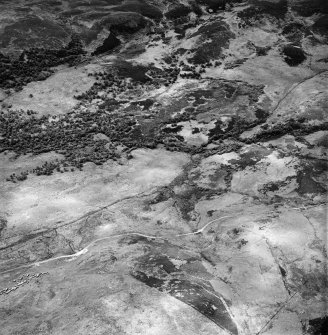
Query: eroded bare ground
[(165, 171)]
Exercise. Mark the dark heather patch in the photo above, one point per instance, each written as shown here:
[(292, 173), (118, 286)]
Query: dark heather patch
[(149, 280), (193, 295), (110, 43), (293, 55), (318, 326)]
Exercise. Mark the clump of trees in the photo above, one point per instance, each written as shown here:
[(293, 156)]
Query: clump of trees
[(20, 177), (71, 135)]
